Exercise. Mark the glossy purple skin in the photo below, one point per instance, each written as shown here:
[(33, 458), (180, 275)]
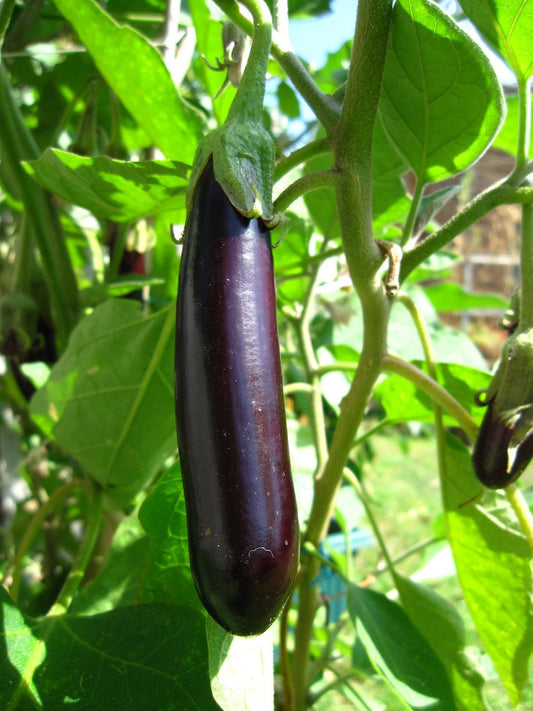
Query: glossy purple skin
[(241, 510), (490, 457)]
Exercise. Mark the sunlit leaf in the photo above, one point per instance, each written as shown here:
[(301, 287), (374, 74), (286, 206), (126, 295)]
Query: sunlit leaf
[(132, 657), (167, 576), (493, 561), (441, 102), (507, 26), (399, 653), (137, 73), (241, 670), (115, 189)]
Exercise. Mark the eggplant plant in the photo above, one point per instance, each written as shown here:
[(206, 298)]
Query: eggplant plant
[(200, 508)]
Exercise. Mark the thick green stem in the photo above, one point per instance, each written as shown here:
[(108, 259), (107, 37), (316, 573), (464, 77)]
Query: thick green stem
[(247, 106), (524, 124), (352, 146), (526, 269)]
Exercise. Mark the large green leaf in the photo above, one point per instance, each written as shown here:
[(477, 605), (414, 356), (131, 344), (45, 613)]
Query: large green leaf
[(507, 26), (105, 661), (441, 624), (109, 401), (398, 652), (168, 575), (493, 563), (115, 189), (441, 102), (137, 73)]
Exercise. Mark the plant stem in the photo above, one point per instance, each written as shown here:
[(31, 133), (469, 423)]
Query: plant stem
[(354, 482), (77, 572), (522, 511), (393, 364), (524, 124), (34, 525), (247, 106), (526, 270), (500, 194), (313, 181), (310, 150), (352, 146), (310, 363)]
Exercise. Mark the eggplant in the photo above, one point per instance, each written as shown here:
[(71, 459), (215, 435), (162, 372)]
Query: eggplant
[(241, 510), (498, 459)]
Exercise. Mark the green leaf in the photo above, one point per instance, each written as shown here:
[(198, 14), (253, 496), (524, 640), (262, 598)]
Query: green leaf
[(507, 138), (389, 199), (441, 624), (450, 296), (507, 26), (493, 563), (288, 101), (441, 102), (137, 73), (93, 295), (109, 401), (115, 189), (241, 670), (399, 653), (168, 575), (105, 661)]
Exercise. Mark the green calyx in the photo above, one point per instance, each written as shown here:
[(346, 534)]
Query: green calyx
[(511, 391), (242, 149)]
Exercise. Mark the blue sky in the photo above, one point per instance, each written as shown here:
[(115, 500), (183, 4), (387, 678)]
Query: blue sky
[(313, 39)]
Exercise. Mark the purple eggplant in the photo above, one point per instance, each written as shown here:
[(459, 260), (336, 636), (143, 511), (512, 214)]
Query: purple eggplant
[(241, 510), (498, 459)]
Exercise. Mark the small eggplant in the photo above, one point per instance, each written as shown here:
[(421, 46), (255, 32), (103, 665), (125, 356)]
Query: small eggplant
[(232, 438), (504, 446), (497, 460)]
